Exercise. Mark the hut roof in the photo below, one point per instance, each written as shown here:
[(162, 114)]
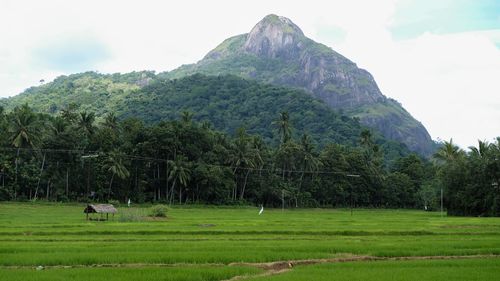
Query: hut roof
[(100, 208)]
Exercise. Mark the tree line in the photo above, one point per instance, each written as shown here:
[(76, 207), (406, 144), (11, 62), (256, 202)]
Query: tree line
[(470, 179), (74, 156)]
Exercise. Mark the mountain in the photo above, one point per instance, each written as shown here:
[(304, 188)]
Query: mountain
[(228, 102), (277, 51)]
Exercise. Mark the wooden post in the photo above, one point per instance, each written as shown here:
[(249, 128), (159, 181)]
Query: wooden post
[(107, 218)]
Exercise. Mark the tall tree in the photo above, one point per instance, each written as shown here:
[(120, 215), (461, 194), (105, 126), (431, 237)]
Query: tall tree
[(180, 172), (448, 152), (244, 158), (86, 123), (284, 127), (115, 165), (25, 127)]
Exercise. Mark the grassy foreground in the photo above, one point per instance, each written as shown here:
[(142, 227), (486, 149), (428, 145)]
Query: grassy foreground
[(200, 243), (421, 270)]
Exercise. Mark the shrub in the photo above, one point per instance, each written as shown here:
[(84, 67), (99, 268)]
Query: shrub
[(159, 211), (113, 202)]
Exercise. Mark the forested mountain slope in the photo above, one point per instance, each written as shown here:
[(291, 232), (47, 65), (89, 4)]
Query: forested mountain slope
[(277, 51), (227, 102)]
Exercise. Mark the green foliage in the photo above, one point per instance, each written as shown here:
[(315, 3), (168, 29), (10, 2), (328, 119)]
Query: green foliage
[(423, 270), (429, 195), (146, 273), (74, 155), (115, 203), (470, 180), (158, 211), (57, 234), (227, 102)]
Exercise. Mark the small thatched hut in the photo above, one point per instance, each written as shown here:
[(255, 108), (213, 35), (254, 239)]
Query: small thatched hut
[(100, 209)]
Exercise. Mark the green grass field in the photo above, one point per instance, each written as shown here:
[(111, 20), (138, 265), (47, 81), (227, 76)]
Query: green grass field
[(203, 243)]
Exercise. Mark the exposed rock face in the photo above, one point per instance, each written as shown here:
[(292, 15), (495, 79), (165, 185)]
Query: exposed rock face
[(327, 74), (277, 51), (274, 37)]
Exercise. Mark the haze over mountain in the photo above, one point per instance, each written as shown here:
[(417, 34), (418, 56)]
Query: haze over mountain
[(277, 51)]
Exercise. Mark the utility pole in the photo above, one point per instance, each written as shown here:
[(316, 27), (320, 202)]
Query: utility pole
[(441, 202), (350, 184), (88, 169), (282, 200)]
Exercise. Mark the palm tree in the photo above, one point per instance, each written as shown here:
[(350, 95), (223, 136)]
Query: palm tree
[(284, 128), (111, 121), (448, 152), (86, 123), (69, 113), (308, 159), (179, 172), (482, 150), (187, 117), (244, 157), (115, 166), (24, 127), (366, 138), (24, 131)]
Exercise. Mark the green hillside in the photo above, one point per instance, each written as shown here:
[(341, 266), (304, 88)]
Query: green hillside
[(276, 51), (227, 102)]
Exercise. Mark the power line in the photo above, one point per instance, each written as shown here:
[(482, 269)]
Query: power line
[(97, 154)]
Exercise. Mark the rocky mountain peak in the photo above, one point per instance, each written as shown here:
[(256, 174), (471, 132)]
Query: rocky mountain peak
[(276, 51), (273, 36)]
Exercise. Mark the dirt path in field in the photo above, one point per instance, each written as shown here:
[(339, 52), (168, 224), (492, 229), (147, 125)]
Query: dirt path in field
[(269, 268), (279, 267)]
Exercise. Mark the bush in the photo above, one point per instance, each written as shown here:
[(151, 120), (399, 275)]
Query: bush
[(5, 195), (158, 211), (113, 202)]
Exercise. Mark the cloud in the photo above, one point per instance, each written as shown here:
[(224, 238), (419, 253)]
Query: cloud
[(449, 82), (70, 53), (414, 18), (439, 58)]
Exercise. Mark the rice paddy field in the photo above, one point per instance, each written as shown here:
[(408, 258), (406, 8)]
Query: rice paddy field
[(55, 242)]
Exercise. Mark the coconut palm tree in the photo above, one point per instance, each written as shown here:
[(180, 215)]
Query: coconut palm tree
[(448, 152), (244, 157), (308, 160), (111, 121), (284, 127), (25, 131), (24, 127), (187, 117), (180, 172), (115, 166), (366, 138), (481, 151), (86, 123)]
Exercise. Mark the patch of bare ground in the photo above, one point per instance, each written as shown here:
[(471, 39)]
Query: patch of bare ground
[(269, 268), (273, 268)]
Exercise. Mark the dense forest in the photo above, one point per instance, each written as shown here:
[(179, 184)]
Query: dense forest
[(227, 102), (72, 157), (470, 179)]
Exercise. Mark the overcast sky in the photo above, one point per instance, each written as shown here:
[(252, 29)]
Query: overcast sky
[(439, 58)]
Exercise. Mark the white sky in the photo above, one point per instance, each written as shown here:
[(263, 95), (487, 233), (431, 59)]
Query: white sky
[(444, 68)]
